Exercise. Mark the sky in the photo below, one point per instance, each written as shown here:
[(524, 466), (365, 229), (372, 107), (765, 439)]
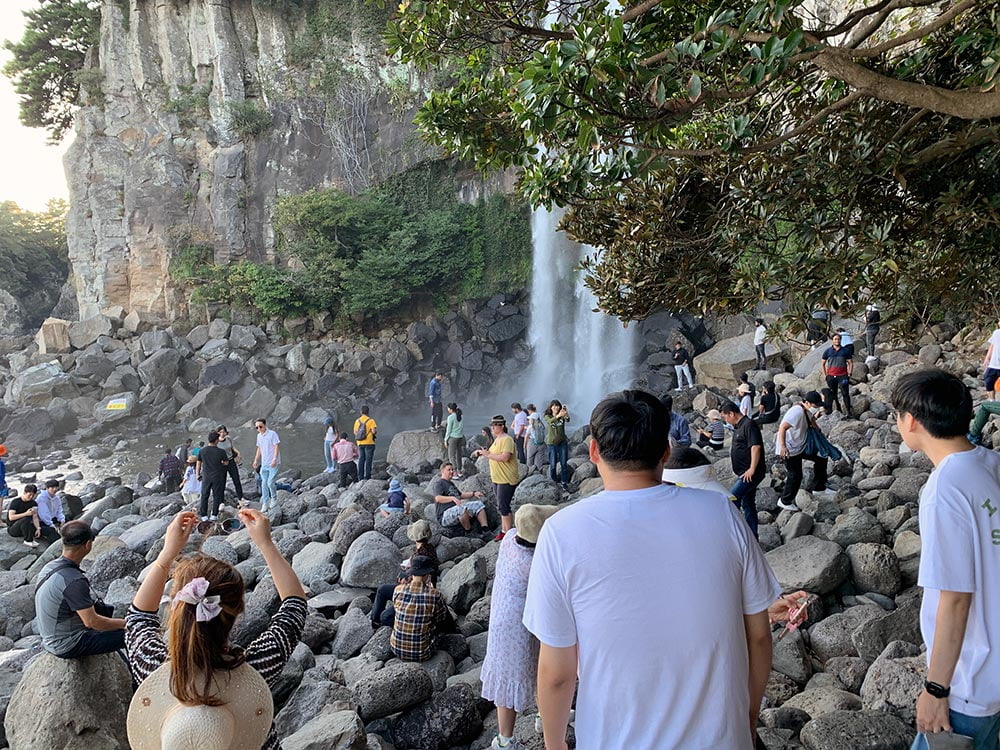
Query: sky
[(31, 171)]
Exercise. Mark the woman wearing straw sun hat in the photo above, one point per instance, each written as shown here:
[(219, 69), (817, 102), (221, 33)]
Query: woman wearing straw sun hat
[(511, 664), (196, 689)]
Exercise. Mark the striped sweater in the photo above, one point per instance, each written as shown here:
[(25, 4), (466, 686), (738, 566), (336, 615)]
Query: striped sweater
[(268, 654)]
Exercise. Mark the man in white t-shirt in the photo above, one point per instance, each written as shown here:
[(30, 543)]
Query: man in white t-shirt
[(992, 364), (759, 345), (790, 445), (520, 427), (656, 595), (267, 459), (959, 561)]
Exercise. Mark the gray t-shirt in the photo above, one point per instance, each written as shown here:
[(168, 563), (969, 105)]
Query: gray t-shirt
[(64, 591), (442, 486)]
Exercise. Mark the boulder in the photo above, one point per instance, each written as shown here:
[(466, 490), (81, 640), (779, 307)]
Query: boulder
[(853, 730), (903, 624), (450, 719), (71, 704), (53, 336), (874, 568), (721, 365), (224, 372), (822, 701), (117, 562), (37, 385), (412, 449), (894, 682), (536, 489), (464, 583), (353, 521), (160, 369), (371, 561), (395, 687), (83, 333), (854, 526), (832, 636), (116, 408), (141, 537), (337, 729), (309, 700), (139, 322), (313, 556), (208, 402), (809, 563)]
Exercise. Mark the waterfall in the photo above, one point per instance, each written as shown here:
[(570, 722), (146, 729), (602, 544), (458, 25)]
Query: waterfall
[(578, 356)]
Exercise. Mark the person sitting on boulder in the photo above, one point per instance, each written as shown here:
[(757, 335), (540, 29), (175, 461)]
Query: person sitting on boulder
[(71, 621), (715, 436), (22, 517), (420, 614), (50, 511), (451, 508), (193, 683), (769, 408), (418, 532), (396, 502), (345, 454)]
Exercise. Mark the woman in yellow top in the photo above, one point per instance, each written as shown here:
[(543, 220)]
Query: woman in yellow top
[(365, 431), (504, 470)]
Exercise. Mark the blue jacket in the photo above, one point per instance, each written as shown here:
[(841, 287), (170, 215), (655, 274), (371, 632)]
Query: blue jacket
[(680, 430), (434, 389)]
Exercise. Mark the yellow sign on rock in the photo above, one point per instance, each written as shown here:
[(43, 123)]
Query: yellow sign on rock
[(116, 404)]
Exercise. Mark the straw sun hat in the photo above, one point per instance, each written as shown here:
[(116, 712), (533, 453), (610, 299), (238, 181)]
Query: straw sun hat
[(158, 721), (529, 519)]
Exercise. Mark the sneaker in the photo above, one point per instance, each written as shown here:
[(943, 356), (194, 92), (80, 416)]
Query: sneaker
[(204, 518), (787, 506), (513, 744), (29, 543), (565, 486), (213, 518), (499, 536), (824, 493)]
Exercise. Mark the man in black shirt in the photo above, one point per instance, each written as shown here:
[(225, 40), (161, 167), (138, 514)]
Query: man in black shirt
[(211, 468), (682, 365), (747, 456), (22, 516)]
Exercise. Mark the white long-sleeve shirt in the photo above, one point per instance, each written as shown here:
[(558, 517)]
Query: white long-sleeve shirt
[(50, 508)]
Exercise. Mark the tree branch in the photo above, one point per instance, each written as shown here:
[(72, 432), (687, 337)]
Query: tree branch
[(942, 20), (637, 10)]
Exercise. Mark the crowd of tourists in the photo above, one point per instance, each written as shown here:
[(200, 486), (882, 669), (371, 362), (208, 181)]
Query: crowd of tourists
[(581, 590)]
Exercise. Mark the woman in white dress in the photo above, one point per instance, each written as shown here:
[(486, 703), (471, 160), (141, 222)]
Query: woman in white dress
[(511, 666)]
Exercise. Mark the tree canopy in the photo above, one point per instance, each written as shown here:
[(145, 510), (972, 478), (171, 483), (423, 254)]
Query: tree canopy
[(48, 60), (720, 155)]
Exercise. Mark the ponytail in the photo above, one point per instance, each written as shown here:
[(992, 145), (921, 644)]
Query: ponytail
[(197, 649), (458, 412)]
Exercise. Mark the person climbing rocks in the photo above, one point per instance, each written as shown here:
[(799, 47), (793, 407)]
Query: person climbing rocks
[(630, 554), (960, 533), (682, 365), (838, 366), (365, 433), (434, 389), (790, 446), (171, 470), (71, 622)]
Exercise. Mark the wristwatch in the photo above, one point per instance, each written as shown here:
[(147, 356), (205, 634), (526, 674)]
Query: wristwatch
[(935, 690)]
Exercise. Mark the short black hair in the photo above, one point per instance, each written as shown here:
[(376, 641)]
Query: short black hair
[(30, 489), (686, 457), (213, 437), (668, 402), (728, 407), (51, 483), (223, 428), (258, 419), (758, 321), (76, 533), (632, 430), (938, 400), (364, 410), (515, 405)]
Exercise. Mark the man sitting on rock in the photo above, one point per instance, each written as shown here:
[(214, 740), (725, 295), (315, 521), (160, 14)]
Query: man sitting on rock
[(959, 561), (22, 517), (50, 511), (71, 622), (421, 613), (450, 505)]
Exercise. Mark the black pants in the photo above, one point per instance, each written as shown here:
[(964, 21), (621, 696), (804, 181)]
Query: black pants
[(794, 479), (234, 473), (704, 442), (23, 528), (348, 472), (870, 335), (216, 487), (382, 611), (437, 413), (367, 459), (840, 385), (519, 443), (50, 534), (761, 357), (171, 484)]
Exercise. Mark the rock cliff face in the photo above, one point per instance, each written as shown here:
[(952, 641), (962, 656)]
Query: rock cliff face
[(200, 113)]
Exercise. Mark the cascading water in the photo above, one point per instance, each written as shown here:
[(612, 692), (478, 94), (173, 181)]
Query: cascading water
[(578, 356)]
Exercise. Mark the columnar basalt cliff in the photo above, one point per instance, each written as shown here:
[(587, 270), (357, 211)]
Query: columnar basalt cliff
[(199, 114)]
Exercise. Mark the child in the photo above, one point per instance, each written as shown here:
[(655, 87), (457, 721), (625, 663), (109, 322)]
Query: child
[(715, 436), (397, 502), (191, 489)]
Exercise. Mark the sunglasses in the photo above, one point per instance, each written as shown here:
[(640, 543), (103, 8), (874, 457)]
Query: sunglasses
[(222, 528)]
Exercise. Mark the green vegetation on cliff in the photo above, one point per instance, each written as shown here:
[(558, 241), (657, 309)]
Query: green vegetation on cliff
[(406, 243), (33, 263)]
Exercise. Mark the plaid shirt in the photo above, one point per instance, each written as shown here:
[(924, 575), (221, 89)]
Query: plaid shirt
[(171, 466), (420, 608)]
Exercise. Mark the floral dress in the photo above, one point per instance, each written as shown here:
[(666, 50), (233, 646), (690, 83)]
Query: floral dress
[(511, 665)]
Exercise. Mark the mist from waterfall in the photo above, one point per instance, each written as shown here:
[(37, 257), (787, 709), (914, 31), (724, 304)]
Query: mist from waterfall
[(578, 355)]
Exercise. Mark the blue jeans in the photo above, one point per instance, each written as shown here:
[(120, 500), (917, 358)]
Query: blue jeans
[(983, 729), (365, 461), (559, 453), (746, 498), (268, 476), (330, 463)]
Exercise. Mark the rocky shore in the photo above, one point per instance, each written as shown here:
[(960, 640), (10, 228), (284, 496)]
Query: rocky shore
[(847, 679)]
